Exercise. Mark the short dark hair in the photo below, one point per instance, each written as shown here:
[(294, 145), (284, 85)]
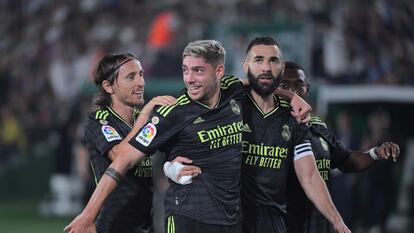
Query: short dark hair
[(293, 65), (265, 40), (108, 69)]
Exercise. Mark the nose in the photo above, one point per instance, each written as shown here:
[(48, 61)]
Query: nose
[(266, 67), (189, 77), (140, 81)]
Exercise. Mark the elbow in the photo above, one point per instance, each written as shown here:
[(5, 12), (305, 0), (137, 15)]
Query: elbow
[(125, 156)]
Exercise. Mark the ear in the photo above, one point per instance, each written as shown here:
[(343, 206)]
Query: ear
[(220, 71), (107, 87), (307, 89), (283, 68), (245, 66)]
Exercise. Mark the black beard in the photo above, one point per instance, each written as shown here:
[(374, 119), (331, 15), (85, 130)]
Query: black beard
[(260, 89)]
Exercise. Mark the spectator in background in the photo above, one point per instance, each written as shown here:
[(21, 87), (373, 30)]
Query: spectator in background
[(12, 137)]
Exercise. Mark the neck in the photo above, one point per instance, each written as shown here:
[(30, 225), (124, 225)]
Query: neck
[(265, 103), (124, 111), (212, 100)]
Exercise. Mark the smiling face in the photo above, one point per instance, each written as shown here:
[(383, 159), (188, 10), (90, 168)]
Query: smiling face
[(262, 65), (202, 79), (128, 88)]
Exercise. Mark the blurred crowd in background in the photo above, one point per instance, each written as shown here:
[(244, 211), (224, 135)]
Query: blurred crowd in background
[(50, 47)]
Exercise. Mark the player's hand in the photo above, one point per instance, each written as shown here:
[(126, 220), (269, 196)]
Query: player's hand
[(187, 170), (81, 224), (388, 150), (158, 100), (340, 227), (300, 109)]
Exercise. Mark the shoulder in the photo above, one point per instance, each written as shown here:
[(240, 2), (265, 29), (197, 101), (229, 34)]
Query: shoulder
[(179, 107), (98, 118), (230, 81), (283, 103), (317, 122), (320, 128)]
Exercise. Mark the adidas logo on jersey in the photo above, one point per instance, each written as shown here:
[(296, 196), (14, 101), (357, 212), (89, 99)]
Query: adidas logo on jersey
[(198, 120), (246, 128)]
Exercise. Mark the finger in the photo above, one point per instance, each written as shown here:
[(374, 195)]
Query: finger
[(398, 150), (388, 149), (295, 111), (167, 99), (162, 102), (304, 110), (297, 117), (190, 171), (382, 151), (190, 168), (182, 159), (306, 118), (394, 152), (196, 173), (67, 228)]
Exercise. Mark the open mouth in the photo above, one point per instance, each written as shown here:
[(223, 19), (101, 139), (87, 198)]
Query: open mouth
[(138, 93), (193, 88)]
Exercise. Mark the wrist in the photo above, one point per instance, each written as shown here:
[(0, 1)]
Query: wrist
[(88, 215), (373, 153), (285, 94)]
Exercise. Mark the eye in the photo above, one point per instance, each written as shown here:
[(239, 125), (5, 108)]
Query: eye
[(284, 85), (198, 70), (258, 60), (300, 85), (275, 60), (185, 70)]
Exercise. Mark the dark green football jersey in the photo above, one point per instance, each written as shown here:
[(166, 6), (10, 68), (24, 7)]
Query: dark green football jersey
[(129, 207), (270, 144), (211, 137)]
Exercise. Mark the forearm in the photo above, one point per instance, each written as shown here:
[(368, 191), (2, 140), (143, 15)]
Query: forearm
[(105, 186), (358, 161), (286, 94), (316, 190), (109, 180)]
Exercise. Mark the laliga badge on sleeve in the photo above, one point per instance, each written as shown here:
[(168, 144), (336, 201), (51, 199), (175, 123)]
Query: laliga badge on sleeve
[(110, 133), (147, 134)]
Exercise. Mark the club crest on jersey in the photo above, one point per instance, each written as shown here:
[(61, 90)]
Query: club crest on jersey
[(155, 120), (234, 107), (110, 133), (147, 134), (324, 144), (286, 132)]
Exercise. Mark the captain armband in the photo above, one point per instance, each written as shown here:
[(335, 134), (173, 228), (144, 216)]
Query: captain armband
[(372, 152), (114, 174)]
